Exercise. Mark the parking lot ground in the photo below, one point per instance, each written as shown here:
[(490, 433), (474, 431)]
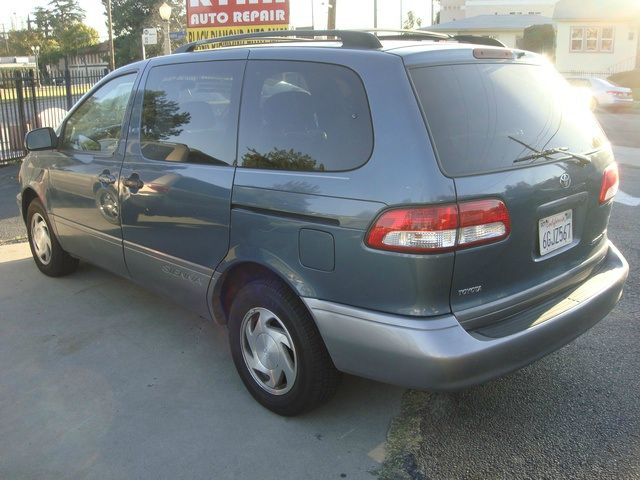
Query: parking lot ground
[(102, 380), (573, 414)]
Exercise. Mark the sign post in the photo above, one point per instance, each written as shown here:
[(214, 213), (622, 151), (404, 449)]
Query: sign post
[(149, 37), (218, 18)]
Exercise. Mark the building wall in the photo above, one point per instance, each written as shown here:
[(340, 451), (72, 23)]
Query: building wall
[(622, 57), (451, 10), (499, 7), (509, 38)]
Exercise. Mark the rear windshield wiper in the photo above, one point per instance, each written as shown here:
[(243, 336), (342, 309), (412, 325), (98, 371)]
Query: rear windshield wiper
[(583, 159)]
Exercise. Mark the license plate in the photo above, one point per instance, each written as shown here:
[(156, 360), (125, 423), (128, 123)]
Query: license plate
[(555, 231)]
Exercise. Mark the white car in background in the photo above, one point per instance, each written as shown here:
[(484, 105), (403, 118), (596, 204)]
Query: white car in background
[(603, 93)]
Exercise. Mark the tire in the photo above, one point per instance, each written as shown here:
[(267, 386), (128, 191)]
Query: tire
[(49, 256), (293, 347)]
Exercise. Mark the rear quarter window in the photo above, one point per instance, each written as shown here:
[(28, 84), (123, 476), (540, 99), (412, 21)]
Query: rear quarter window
[(303, 116), (479, 113)]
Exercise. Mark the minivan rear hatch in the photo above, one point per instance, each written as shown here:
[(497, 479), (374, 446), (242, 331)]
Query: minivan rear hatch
[(487, 120)]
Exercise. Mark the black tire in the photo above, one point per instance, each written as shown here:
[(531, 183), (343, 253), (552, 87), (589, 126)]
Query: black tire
[(60, 262), (316, 379)]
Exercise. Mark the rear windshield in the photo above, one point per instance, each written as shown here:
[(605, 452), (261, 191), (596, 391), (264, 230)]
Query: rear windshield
[(479, 115)]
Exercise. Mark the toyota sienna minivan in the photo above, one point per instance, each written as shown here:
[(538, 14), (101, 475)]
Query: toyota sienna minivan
[(410, 209)]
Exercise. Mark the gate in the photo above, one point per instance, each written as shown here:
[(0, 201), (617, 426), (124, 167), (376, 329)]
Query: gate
[(29, 101)]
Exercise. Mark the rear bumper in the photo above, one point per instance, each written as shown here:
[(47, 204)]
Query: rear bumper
[(438, 354)]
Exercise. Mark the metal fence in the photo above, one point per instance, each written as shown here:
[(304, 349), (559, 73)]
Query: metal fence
[(28, 101)]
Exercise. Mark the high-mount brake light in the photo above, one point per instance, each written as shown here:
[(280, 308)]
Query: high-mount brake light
[(610, 183), (440, 228)]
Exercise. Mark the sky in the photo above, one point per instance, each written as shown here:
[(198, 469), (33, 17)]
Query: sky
[(350, 13)]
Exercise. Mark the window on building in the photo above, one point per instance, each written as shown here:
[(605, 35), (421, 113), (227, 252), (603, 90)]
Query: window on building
[(592, 39), (606, 39), (577, 34)]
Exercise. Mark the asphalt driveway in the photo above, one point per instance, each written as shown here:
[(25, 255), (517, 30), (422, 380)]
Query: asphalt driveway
[(102, 380)]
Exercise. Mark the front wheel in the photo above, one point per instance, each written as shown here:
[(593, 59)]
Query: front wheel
[(49, 256), (278, 351)]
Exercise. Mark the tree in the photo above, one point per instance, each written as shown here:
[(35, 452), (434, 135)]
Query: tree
[(63, 14), (412, 21), (130, 17), (75, 37), (539, 39)]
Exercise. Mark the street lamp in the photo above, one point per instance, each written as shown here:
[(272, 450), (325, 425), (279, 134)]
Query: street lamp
[(165, 14), (36, 52)]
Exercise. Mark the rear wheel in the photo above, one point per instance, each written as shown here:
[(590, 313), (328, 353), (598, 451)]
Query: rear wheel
[(278, 350), (49, 256)]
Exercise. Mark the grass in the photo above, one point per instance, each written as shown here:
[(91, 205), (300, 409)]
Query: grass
[(46, 91)]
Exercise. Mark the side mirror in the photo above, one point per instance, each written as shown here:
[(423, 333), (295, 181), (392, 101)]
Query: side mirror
[(41, 139)]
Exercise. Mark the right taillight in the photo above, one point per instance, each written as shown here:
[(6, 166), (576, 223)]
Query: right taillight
[(440, 228), (610, 182)]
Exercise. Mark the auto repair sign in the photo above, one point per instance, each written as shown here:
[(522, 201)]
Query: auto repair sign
[(217, 18)]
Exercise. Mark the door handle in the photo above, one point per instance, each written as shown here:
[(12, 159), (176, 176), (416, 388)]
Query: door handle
[(106, 178), (133, 182)]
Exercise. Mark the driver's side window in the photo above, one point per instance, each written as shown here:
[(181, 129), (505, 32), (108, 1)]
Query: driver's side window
[(96, 125)]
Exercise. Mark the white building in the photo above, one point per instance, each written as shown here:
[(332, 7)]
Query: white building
[(597, 37), (452, 10), (509, 29)]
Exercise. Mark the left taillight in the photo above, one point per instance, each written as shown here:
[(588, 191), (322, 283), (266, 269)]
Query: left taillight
[(440, 228), (610, 183)]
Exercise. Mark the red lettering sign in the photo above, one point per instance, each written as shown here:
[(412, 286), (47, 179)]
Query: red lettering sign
[(236, 13)]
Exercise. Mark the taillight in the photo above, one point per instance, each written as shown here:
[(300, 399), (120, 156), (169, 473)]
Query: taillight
[(610, 183), (440, 228), (415, 229), (483, 221)]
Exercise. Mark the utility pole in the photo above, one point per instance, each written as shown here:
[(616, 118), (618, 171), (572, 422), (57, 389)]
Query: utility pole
[(112, 56), (331, 15), (375, 14)]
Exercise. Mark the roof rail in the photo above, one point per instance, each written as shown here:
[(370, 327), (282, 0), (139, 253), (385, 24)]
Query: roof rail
[(349, 38)]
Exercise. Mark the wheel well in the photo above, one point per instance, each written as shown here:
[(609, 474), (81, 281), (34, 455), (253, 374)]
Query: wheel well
[(233, 280), (27, 197)]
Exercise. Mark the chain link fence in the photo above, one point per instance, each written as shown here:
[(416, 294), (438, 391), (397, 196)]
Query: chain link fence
[(28, 101)]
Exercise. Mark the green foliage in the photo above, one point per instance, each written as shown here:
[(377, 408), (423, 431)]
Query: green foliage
[(540, 39), (130, 17), (161, 117), (75, 37), (63, 14), (411, 21)]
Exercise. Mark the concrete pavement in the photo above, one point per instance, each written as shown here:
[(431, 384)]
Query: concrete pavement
[(103, 380)]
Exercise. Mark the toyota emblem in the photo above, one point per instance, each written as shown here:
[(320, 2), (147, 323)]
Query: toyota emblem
[(565, 180)]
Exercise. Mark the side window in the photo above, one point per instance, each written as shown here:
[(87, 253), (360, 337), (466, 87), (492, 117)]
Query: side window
[(190, 112), (97, 124), (303, 116)]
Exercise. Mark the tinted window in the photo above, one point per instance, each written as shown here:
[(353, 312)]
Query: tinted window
[(304, 116), (97, 124), (478, 114), (190, 112)]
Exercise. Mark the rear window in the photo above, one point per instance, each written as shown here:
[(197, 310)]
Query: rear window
[(479, 113)]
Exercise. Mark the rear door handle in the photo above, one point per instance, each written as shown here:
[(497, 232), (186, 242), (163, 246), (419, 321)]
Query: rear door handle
[(133, 182), (106, 178)]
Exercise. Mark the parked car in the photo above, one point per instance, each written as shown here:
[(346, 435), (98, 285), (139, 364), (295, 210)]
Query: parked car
[(420, 212), (603, 93)]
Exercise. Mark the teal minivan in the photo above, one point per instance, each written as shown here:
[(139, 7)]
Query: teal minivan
[(411, 209)]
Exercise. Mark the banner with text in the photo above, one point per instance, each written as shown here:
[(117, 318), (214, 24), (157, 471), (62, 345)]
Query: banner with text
[(218, 18)]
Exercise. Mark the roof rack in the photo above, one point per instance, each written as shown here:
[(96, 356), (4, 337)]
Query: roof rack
[(349, 38)]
